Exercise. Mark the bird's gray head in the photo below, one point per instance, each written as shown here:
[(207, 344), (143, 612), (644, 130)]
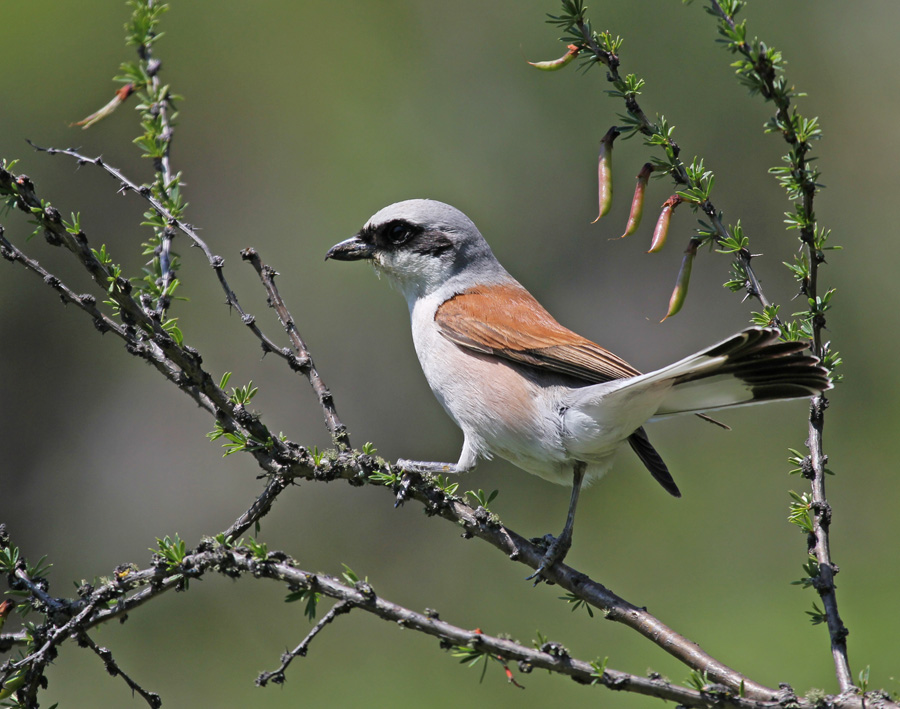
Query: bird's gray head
[(422, 245)]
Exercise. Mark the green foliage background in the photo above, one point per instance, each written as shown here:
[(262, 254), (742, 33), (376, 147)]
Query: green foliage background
[(300, 120)]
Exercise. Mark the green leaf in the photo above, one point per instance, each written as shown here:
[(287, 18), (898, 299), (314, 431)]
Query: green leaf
[(482, 498), (172, 550), (388, 478), (350, 575), (817, 615), (310, 597), (260, 550), (599, 668), (577, 603), (445, 485)]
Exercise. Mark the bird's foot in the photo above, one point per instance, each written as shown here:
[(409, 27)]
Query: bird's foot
[(543, 542), (556, 550)]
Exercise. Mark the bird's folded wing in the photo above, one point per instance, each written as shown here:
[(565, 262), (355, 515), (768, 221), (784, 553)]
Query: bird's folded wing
[(507, 321)]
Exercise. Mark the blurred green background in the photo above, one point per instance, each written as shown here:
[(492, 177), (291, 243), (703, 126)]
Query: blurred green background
[(301, 119)]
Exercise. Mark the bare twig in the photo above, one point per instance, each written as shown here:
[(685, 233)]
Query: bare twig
[(260, 507), (301, 362), (53, 605), (9, 640), (152, 698), (304, 361), (277, 676), (147, 350)]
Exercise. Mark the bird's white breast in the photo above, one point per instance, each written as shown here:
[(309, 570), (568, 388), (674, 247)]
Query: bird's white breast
[(502, 408)]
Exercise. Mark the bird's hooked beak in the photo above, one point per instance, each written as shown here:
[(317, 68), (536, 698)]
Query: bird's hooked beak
[(352, 249)]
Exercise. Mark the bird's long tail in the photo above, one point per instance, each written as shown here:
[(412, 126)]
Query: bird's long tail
[(748, 368)]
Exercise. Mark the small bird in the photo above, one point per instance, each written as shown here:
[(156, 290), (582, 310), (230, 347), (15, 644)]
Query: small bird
[(523, 387)]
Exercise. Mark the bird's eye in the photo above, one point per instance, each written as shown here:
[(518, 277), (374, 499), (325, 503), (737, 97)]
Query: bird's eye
[(399, 234)]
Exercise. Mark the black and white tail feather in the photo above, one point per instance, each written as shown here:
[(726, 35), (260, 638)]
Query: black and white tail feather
[(751, 367)]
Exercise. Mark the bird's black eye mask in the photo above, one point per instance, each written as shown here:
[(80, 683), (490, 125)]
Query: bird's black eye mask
[(400, 234)]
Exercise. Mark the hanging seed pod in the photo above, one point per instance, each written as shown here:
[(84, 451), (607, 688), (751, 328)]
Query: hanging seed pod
[(637, 202), (662, 224), (604, 173), (120, 96), (5, 609), (557, 64), (684, 278)]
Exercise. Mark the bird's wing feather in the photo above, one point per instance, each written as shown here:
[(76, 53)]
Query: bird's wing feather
[(640, 444), (507, 321)]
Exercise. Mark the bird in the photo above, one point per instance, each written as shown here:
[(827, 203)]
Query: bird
[(526, 389)]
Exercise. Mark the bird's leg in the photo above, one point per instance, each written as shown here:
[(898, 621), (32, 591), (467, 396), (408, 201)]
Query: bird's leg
[(467, 460), (559, 547), (433, 468)]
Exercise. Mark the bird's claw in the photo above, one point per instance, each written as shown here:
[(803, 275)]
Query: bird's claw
[(544, 542), (556, 550)]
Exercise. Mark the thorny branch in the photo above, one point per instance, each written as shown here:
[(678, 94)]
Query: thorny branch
[(278, 676), (478, 522), (238, 561), (300, 362), (144, 335), (303, 361), (165, 177), (771, 89), (148, 351), (152, 698)]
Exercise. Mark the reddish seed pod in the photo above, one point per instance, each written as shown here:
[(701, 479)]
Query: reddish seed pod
[(557, 64), (637, 202), (125, 91), (119, 97), (5, 609), (679, 293), (662, 224), (604, 173)]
